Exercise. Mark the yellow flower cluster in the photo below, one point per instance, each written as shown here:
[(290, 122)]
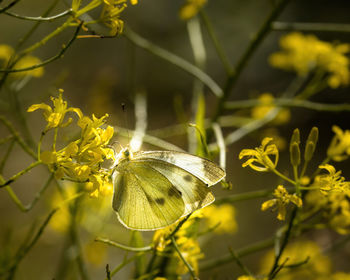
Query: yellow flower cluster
[(339, 149), (191, 8), (220, 217), (303, 260), (280, 202), (7, 53), (333, 198), (317, 266), (267, 104), (80, 160), (110, 14), (305, 53), (259, 158)]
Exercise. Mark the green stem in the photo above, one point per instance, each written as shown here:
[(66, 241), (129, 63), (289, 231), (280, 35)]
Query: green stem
[(283, 176), (19, 174), (250, 249), (174, 59), (51, 18), (54, 139), (221, 53), (244, 196), (124, 247), (20, 205), (243, 60), (26, 248), (58, 56), (124, 263), (188, 265), (283, 245), (311, 26), (7, 154), (19, 140), (289, 102)]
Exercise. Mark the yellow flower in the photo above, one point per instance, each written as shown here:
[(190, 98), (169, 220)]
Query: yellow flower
[(246, 277), (96, 253), (281, 200), (28, 61), (191, 8), (221, 217), (331, 182), (340, 276), (6, 52), (191, 251), (110, 15), (55, 116), (339, 149), (304, 53), (318, 265), (333, 199), (259, 158), (267, 104)]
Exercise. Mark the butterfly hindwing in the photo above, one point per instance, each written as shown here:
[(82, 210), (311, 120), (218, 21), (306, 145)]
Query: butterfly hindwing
[(145, 199), (204, 169), (194, 192)]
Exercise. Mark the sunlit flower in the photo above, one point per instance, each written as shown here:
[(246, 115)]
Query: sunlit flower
[(315, 266), (259, 158), (280, 202), (267, 104), (191, 251), (331, 182), (333, 199), (55, 116), (339, 149), (111, 12), (249, 277), (304, 53), (191, 8), (222, 218)]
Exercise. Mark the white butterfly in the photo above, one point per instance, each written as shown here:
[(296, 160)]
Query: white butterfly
[(154, 189)]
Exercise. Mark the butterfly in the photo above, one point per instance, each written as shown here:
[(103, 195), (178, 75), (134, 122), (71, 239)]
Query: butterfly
[(154, 189)]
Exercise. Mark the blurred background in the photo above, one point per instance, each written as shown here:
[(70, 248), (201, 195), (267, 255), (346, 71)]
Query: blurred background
[(98, 75)]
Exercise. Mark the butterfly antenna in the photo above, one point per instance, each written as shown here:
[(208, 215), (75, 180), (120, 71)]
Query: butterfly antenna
[(126, 120)]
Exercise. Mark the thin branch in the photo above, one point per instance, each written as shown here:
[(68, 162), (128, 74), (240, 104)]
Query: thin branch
[(221, 53), (243, 60), (124, 247), (174, 59), (188, 265), (51, 18), (250, 249), (58, 56), (9, 6), (289, 102), (311, 27)]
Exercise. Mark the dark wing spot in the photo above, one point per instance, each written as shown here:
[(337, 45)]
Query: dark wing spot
[(173, 191), (160, 200), (188, 178)]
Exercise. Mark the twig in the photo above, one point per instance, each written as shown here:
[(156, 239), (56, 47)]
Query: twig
[(174, 59), (58, 56), (124, 247), (51, 18), (255, 42), (188, 265), (311, 26), (9, 6)]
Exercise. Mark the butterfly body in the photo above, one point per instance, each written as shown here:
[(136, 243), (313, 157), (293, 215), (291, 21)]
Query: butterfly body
[(154, 189)]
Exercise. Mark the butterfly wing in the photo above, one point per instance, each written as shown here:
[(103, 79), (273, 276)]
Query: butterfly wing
[(194, 192), (145, 199), (204, 169)]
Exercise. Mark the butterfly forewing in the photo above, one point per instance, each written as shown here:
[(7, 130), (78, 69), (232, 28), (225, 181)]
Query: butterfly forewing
[(204, 169), (145, 199)]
